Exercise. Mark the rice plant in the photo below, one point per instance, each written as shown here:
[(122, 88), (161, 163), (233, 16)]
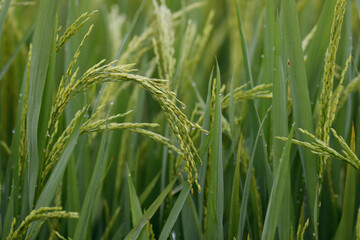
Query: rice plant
[(189, 119)]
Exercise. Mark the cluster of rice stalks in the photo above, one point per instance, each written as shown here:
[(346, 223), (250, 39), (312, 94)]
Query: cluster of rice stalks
[(179, 119)]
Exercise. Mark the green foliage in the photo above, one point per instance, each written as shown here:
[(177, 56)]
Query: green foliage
[(111, 128)]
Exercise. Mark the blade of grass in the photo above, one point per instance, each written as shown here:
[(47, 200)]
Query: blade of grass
[(243, 46), (48, 193), (204, 156), (93, 188), (280, 128), (45, 110), (235, 201), (164, 167), (281, 178), (188, 224), (43, 34), (232, 118), (215, 198), (144, 195), (348, 213), (195, 217), (134, 233), (262, 160), (136, 211), (72, 194), (8, 218), (175, 211), (245, 197), (17, 50), (3, 13), (15, 146), (300, 98), (131, 29)]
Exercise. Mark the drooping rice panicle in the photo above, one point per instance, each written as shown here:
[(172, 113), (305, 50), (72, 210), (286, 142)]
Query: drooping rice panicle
[(324, 124), (337, 93), (323, 149), (74, 28), (93, 122), (163, 41), (200, 44), (186, 47), (63, 92), (111, 72), (187, 9), (260, 91), (138, 46), (352, 86), (53, 153), (100, 126), (116, 24), (349, 154), (41, 215)]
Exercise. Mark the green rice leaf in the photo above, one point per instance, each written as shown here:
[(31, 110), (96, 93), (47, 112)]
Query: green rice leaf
[(72, 194), (245, 197), (235, 201), (215, 198), (261, 160), (300, 97), (17, 50), (149, 188), (348, 212), (135, 204), (136, 211), (48, 193), (47, 98), (134, 233), (8, 218), (195, 217), (42, 41), (281, 178), (204, 155), (3, 13), (175, 211), (131, 29), (243, 46), (280, 128), (93, 189)]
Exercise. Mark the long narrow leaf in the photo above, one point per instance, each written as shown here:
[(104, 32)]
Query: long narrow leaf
[(245, 197), (93, 188), (215, 198), (277, 193), (175, 211), (300, 97), (134, 233), (3, 13), (136, 211), (48, 193), (42, 40)]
